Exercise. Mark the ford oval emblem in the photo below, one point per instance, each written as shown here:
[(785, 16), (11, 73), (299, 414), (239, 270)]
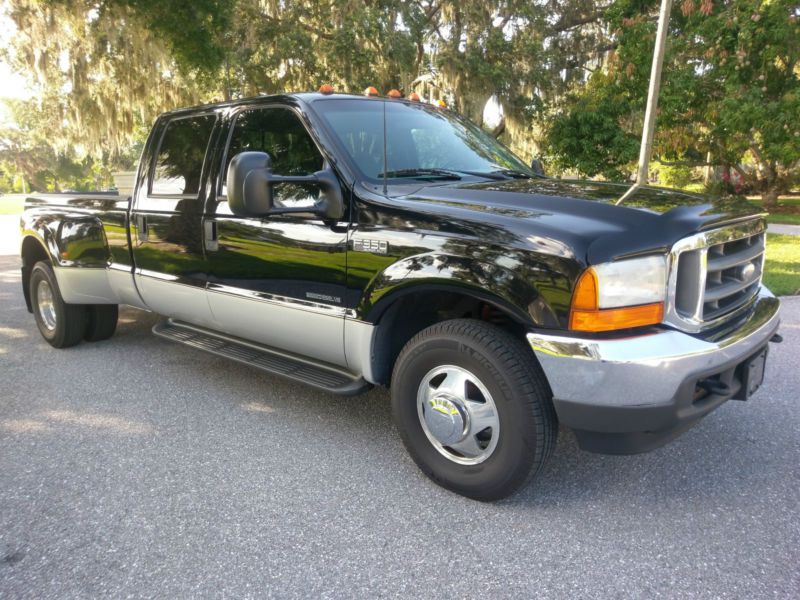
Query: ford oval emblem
[(747, 271)]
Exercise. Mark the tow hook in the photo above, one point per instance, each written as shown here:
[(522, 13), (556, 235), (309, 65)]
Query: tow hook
[(715, 387), (776, 338)]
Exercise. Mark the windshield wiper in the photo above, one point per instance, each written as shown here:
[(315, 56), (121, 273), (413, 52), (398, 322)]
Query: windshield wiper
[(499, 174), (512, 174), (423, 173)]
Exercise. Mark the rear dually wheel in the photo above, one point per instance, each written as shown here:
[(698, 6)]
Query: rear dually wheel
[(61, 324)]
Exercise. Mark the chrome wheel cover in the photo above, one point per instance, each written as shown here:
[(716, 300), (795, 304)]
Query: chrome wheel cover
[(458, 415), (45, 304)]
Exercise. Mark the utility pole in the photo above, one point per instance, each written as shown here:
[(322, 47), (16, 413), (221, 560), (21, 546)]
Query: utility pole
[(652, 101)]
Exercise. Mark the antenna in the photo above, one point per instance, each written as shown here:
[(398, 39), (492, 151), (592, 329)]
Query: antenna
[(385, 157), (649, 128)]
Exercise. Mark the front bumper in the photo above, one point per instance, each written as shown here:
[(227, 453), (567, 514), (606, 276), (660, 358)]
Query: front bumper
[(634, 394)]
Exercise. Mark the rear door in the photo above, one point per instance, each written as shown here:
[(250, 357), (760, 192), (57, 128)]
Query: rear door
[(278, 280), (166, 218)]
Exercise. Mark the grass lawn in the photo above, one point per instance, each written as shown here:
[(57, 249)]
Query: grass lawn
[(791, 204), (782, 269), (784, 218), (11, 205)]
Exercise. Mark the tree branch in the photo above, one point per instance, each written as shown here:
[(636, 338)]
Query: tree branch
[(570, 23)]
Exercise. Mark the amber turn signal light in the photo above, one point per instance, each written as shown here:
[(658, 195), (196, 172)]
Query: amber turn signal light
[(586, 315), (586, 295), (609, 319), (371, 91)]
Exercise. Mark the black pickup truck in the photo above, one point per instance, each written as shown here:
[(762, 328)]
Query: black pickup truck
[(348, 241)]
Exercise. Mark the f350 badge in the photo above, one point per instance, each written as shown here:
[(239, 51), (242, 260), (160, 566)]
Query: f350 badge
[(373, 246)]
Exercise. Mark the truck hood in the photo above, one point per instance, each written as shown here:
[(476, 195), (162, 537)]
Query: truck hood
[(583, 214)]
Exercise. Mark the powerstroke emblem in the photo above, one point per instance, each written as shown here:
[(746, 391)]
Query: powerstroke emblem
[(373, 246), (323, 297)]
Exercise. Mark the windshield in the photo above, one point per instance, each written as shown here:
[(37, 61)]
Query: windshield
[(421, 141)]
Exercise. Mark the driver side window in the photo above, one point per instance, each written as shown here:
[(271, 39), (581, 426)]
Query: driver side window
[(279, 133)]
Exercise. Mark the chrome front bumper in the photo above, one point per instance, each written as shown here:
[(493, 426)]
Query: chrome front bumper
[(647, 383)]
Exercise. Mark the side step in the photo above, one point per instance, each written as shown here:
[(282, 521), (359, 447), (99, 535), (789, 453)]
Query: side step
[(320, 376)]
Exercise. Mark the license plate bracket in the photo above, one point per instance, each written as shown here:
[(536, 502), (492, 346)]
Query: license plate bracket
[(752, 374)]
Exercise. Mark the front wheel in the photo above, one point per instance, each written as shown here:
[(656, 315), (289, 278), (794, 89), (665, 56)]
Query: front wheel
[(61, 324), (473, 408)]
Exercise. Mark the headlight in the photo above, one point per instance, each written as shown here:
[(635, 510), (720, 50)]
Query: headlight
[(618, 295)]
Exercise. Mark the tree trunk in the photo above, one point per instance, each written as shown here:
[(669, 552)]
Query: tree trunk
[(769, 197), (770, 187)]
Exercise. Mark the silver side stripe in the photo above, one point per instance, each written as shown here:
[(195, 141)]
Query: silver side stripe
[(163, 276), (316, 307), (121, 267)]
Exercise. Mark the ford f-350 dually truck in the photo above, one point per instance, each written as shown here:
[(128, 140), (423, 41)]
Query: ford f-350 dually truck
[(348, 241)]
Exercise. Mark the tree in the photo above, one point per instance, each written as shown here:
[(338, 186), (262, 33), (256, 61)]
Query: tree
[(572, 75), (526, 54), (730, 94), (29, 161), (275, 47), (97, 70)]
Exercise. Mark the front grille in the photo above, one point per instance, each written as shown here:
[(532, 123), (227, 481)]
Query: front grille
[(715, 274)]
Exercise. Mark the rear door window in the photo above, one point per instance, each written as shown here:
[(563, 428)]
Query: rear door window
[(179, 162), (279, 133)]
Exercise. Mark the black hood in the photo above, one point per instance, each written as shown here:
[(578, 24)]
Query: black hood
[(585, 213)]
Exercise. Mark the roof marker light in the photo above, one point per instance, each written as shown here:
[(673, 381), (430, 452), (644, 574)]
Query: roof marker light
[(371, 91), (414, 97), (394, 94), (326, 88), (441, 103)]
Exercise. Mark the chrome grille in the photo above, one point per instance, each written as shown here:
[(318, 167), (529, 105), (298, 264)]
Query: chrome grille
[(715, 275)]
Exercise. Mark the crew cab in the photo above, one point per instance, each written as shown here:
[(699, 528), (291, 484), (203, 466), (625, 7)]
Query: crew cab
[(348, 242)]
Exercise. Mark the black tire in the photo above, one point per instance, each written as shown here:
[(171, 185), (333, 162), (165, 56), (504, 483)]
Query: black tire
[(68, 320), (508, 370), (101, 321)]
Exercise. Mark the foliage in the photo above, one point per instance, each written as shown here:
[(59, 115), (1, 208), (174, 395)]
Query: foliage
[(675, 176), (730, 94), (570, 75), (29, 161), (97, 70), (589, 138), (114, 63)]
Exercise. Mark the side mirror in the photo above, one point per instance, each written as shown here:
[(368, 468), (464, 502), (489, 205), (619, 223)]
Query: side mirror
[(250, 181)]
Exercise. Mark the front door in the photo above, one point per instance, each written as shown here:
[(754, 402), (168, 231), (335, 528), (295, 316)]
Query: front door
[(166, 221), (279, 280)]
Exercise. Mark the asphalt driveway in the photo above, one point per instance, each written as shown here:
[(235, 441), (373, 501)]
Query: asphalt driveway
[(135, 467)]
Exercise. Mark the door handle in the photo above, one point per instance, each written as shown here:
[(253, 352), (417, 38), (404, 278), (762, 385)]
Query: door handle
[(210, 235), (141, 227)]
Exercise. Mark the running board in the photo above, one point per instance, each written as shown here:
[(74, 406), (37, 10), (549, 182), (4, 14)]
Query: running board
[(320, 376)]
